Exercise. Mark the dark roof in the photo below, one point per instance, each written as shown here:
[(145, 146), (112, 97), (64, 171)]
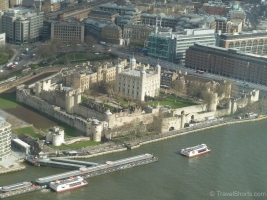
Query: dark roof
[(240, 36), (112, 27), (30, 3), (100, 12)]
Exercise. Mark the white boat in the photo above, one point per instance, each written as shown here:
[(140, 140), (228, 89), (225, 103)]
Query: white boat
[(68, 184), (195, 151)]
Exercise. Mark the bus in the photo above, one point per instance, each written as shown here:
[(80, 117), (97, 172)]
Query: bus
[(200, 72)]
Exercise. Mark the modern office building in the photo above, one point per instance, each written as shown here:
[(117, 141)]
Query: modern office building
[(159, 20), (250, 42), (103, 15), (94, 26), (172, 46), (227, 62), (103, 30), (67, 32), (236, 14), (22, 26), (109, 7), (4, 4), (5, 139), (127, 18), (140, 32), (2, 40), (111, 32), (223, 25)]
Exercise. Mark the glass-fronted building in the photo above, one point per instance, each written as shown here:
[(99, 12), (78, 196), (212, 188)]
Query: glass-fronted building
[(172, 46)]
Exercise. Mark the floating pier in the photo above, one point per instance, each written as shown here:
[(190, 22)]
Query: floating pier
[(87, 164), (59, 163), (85, 172)]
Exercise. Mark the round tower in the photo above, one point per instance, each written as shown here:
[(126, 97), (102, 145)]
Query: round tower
[(57, 139), (212, 105), (98, 131)]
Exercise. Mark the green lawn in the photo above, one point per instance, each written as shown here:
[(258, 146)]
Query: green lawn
[(28, 131), (3, 59), (8, 101), (76, 145), (85, 56), (125, 103), (88, 99), (172, 101), (109, 107)]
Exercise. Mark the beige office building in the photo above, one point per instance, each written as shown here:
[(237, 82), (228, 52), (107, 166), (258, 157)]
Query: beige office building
[(250, 42), (67, 32)]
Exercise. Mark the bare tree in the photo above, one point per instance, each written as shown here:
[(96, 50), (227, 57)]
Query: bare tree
[(49, 49), (9, 50), (234, 89), (207, 98), (178, 85), (44, 52), (104, 99), (195, 88)]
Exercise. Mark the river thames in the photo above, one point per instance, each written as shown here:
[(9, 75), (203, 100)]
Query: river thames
[(236, 166)]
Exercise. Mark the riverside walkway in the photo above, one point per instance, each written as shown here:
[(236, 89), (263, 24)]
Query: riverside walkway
[(135, 143)]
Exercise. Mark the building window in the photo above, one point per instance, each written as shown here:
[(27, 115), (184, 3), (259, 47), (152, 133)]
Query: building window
[(231, 45), (243, 44), (237, 44)]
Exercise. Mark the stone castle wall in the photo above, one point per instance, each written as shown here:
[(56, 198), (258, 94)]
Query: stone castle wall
[(54, 111)]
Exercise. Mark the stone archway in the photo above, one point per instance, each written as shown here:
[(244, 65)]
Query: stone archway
[(171, 128)]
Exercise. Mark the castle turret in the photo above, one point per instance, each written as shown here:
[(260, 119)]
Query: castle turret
[(99, 69), (38, 89), (118, 71), (143, 84), (77, 97), (132, 63), (158, 69), (69, 102), (212, 105)]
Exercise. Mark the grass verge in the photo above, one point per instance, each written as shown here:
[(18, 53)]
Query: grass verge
[(28, 131)]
